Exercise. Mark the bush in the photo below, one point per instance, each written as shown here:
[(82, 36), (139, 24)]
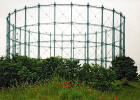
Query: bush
[(97, 76), (17, 70), (86, 73), (69, 69), (124, 68), (102, 77)]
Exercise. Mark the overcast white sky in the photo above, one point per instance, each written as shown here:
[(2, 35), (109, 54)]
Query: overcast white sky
[(129, 8)]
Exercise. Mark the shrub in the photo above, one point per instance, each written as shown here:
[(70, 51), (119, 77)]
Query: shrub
[(102, 77), (86, 74), (69, 69), (49, 65), (97, 76), (124, 68)]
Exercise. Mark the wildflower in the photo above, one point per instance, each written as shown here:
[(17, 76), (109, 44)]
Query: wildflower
[(64, 86), (116, 98), (36, 89), (58, 84), (72, 83), (67, 82), (101, 97)]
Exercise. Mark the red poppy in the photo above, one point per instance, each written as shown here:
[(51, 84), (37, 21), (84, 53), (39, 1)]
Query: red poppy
[(64, 86), (58, 84), (67, 82), (116, 98), (72, 83), (101, 97), (36, 89)]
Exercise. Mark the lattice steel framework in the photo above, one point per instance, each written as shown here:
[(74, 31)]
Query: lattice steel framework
[(89, 33)]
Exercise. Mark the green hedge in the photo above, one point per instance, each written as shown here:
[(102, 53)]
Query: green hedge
[(20, 69)]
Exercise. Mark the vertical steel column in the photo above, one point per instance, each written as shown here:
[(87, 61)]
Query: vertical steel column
[(88, 33), (50, 44), (8, 36), (120, 51), (38, 31), (29, 44), (96, 48), (73, 45), (54, 25), (15, 32), (124, 37), (105, 48), (20, 41), (102, 25), (25, 26), (13, 44), (85, 46), (113, 37), (71, 32)]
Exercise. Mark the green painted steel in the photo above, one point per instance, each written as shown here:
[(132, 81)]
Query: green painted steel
[(15, 32), (105, 48), (71, 32), (13, 41), (113, 36), (87, 33), (20, 42), (73, 45), (38, 31), (54, 26), (85, 55), (29, 44), (8, 36), (120, 51), (90, 38), (124, 37), (25, 26), (102, 32), (96, 48)]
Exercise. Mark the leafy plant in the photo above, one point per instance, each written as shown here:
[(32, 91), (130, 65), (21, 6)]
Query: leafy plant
[(102, 77), (124, 68)]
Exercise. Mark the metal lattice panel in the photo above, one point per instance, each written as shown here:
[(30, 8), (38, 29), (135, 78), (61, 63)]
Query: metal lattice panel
[(89, 33)]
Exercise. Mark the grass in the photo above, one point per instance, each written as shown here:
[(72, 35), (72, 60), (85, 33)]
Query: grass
[(48, 90)]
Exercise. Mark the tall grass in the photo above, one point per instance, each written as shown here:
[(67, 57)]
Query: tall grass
[(48, 90)]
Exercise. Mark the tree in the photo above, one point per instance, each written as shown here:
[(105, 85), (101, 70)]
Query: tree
[(124, 68)]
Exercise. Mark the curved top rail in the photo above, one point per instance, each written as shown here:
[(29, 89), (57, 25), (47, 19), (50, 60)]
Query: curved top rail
[(70, 4)]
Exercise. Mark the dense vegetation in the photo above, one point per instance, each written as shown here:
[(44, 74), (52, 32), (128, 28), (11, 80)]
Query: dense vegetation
[(124, 68), (51, 90), (18, 71)]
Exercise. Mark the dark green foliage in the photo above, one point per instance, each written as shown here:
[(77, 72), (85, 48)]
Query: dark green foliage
[(20, 69), (102, 77), (69, 69), (49, 65), (97, 76), (86, 73), (124, 68)]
